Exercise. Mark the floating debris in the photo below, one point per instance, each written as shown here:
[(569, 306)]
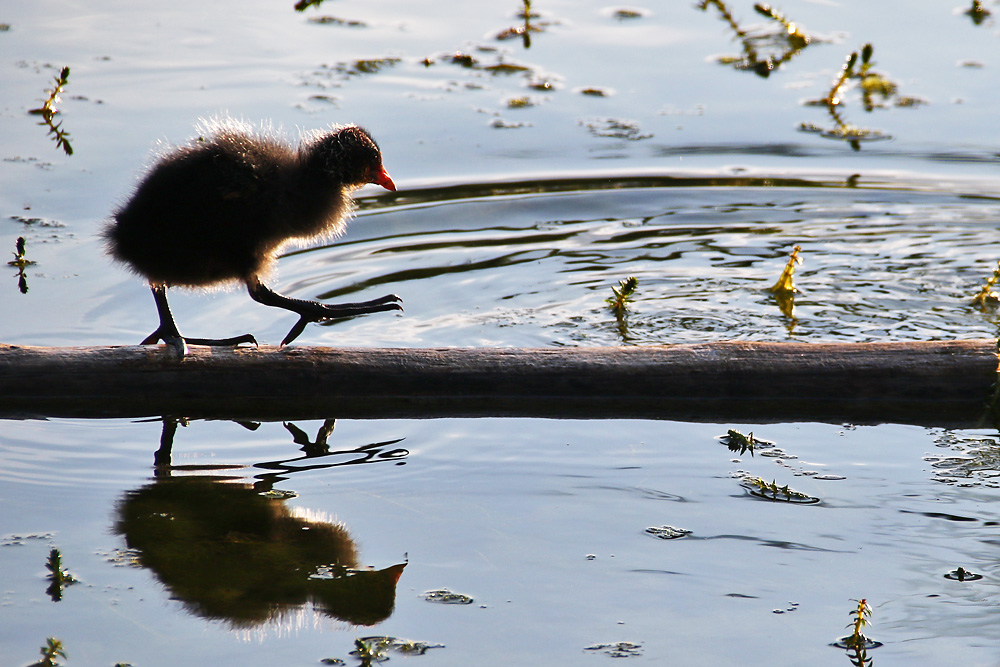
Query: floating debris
[(618, 650), (444, 596), (667, 532), (615, 128), (501, 124), (333, 20)]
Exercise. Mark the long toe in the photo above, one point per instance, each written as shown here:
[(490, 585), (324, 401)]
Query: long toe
[(326, 311), (224, 342)]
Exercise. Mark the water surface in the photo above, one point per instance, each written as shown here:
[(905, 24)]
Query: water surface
[(618, 144)]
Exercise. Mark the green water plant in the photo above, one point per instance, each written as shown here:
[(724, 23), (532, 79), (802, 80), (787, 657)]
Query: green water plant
[(58, 576), (793, 33), (987, 298), (48, 107), (48, 111), (961, 574), (771, 491), (523, 31), (861, 618), (737, 442), (21, 263), (52, 649), (763, 51), (786, 283), (977, 12), (857, 644), (622, 296)]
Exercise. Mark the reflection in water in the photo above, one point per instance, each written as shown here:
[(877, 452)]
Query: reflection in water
[(317, 448), (229, 553)]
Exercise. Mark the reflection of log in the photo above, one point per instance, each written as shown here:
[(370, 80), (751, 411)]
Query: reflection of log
[(945, 383)]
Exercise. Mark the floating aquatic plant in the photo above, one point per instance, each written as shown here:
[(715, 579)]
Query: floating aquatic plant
[(977, 12), (21, 262), (771, 491), (374, 649), (763, 52), (961, 574), (856, 643), (48, 107), (523, 31), (303, 5), (876, 91), (796, 38), (52, 649), (737, 442), (48, 110), (58, 576), (786, 284), (622, 296), (987, 298)]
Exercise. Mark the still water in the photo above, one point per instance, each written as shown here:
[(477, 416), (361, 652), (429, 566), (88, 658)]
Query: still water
[(667, 141)]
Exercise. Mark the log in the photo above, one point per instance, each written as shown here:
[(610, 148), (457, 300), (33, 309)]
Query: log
[(926, 383)]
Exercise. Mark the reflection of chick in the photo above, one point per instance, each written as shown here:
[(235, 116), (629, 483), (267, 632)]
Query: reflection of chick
[(229, 553)]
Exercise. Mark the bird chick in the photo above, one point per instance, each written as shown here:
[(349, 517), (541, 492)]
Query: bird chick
[(221, 208)]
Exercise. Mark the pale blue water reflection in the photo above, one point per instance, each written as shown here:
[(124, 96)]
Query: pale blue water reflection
[(543, 524)]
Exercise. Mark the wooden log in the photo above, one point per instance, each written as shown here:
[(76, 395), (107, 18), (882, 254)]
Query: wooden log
[(930, 383)]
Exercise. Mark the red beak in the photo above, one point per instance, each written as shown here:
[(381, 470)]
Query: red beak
[(382, 178)]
